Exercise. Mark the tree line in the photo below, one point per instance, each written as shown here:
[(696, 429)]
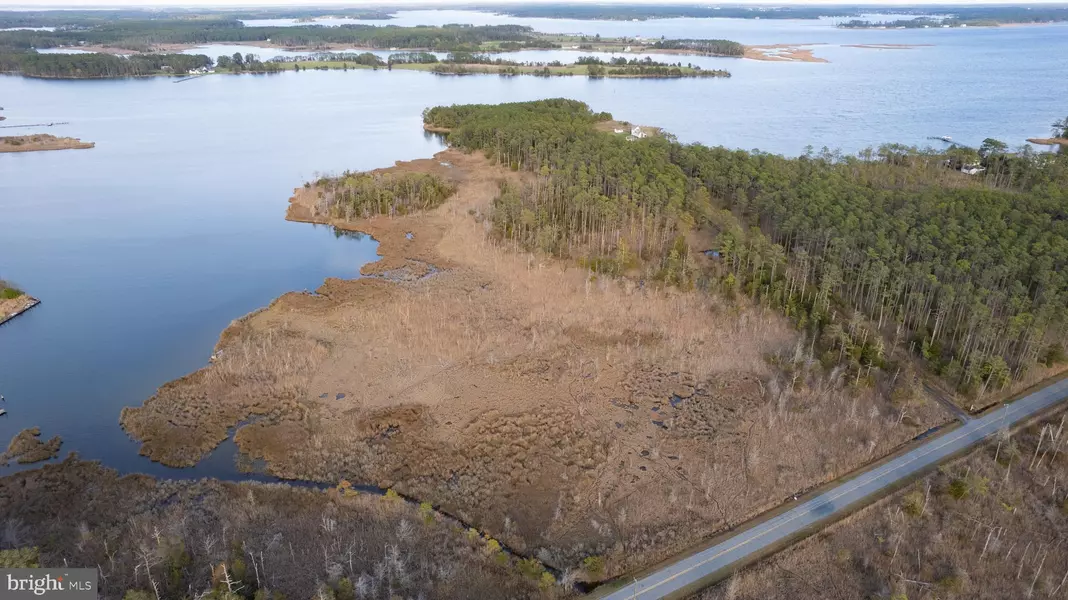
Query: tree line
[(887, 250), (643, 67), (714, 47), (974, 16), (249, 63), (92, 66), (144, 35), (363, 195), (83, 19)]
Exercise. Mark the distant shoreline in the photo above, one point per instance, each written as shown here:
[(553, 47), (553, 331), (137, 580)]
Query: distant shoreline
[(608, 46)]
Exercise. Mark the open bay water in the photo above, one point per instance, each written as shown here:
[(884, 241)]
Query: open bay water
[(144, 248)]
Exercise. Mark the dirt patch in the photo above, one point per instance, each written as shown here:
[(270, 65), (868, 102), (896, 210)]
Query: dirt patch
[(784, 53), (39, 142), (566, 414), (13, 307), (27, 447)]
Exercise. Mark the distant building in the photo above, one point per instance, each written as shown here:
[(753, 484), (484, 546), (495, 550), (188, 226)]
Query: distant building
[(971, 169), (637, 132)]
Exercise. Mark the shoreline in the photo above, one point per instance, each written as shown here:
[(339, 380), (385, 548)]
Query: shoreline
[(800, 52), (9, 309), (459, 323)]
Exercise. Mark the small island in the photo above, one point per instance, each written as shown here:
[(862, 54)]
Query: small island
[(14, 302), (41, 142), (27, 447)]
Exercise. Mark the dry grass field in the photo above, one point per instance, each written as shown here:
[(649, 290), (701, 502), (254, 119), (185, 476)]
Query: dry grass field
[(204, 539), (989, 526)]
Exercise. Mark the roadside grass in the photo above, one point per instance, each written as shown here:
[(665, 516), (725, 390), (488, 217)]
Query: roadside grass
[(987, 526)]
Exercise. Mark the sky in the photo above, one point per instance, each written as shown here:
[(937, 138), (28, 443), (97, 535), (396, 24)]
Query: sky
[(31, 4)]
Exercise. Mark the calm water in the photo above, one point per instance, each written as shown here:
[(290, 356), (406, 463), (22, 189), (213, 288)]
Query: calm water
[(144, 248)]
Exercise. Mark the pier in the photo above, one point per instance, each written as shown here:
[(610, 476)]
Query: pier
[(34, 125)]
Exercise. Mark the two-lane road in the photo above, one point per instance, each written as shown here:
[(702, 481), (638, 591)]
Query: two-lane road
[(689, 574)]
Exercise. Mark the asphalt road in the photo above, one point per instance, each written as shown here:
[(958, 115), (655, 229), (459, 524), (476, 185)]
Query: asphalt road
[(687, 575)]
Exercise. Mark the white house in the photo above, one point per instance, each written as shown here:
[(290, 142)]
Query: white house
[(637, 132)]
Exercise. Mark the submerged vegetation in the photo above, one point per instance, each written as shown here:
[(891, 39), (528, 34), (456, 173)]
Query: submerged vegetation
[(888, 250), (362, 195)]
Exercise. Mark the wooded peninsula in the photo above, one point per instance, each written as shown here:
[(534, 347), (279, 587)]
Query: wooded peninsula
[(564, 312), (103, 66), (895, 251)]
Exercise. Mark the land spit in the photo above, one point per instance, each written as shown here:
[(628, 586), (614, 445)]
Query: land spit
[(1056, 141), (784, 53), (566, 414), (13, 307)]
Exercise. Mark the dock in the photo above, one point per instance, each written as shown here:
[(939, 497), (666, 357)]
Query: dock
[(27, 305), (34, 125)]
